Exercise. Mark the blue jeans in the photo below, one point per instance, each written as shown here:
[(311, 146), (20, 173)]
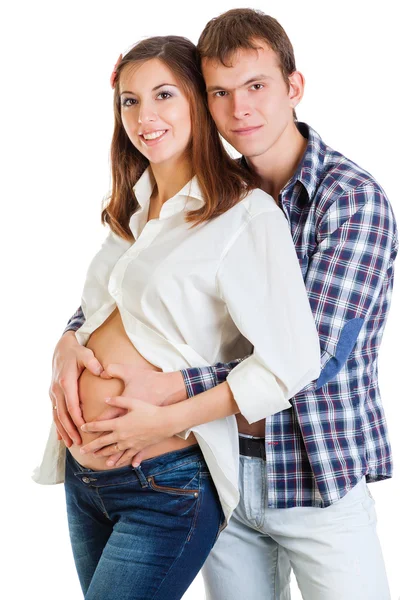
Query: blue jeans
[(142, 534)]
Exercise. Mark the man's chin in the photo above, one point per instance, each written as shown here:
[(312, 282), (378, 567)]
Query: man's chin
[(251, 150)]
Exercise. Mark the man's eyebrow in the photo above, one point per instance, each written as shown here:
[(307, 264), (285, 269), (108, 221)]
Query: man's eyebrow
[(214, 88), (154, 88)]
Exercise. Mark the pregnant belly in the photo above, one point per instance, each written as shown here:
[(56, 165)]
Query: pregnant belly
[(110, 344)]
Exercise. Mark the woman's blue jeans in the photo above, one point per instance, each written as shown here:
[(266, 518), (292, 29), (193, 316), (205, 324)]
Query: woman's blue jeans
[(142, 533)]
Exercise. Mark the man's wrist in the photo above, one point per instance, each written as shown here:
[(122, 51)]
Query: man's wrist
[(176, 388)]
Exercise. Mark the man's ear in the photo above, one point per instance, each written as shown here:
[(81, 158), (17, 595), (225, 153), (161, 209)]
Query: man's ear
[(296, 88)]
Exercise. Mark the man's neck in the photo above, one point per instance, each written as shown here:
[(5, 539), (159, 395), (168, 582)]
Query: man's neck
[(276, 166)]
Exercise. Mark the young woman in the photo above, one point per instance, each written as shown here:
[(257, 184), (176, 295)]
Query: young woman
[(196, 268)]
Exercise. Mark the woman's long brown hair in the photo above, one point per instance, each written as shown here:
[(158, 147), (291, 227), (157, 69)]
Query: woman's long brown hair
[(222, 180)]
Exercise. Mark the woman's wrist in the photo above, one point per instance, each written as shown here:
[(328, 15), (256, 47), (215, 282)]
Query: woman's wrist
[(175, 389)]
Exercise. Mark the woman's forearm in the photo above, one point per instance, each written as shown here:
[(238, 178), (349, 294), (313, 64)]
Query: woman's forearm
[(213, 404)]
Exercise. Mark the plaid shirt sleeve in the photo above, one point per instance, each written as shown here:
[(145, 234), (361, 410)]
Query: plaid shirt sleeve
[(356, 247), (352, 263), (76, 321), (198, 380)]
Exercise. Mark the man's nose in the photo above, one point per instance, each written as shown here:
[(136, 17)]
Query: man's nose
[(240, 107)]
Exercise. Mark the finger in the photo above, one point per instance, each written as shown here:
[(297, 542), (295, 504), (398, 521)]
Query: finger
[(70, 390), (108, 451), (121, 401), (137, 458), (64, 416), (99, 442), (119, 370), (111, 412), (61, 431), (113, 459), (104, 375), (101, 426), (126, 458), (93, 365)]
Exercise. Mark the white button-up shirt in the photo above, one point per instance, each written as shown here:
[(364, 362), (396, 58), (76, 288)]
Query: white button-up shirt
[(190, 297)]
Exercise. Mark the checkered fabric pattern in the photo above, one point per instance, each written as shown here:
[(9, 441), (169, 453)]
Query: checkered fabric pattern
[(346, 242)]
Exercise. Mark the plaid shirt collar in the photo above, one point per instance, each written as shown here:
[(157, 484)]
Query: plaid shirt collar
[(310, 170)]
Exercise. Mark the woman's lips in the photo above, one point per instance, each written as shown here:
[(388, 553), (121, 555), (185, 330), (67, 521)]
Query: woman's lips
[(153, 142)]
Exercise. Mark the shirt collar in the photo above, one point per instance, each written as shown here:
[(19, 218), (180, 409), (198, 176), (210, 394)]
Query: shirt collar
[(188, 198), (309, 172)]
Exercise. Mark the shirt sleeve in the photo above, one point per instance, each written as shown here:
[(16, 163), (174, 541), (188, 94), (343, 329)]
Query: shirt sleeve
[(76, 321), (200, 379), (350, 268), (260, 281), (97, 279)]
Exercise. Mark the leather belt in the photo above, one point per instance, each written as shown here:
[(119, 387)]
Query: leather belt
[(249, 446)]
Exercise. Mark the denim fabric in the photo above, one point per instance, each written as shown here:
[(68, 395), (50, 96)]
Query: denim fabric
[(142, 534)]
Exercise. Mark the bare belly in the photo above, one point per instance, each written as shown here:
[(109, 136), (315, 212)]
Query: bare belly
[(110, 344), (257, 429)]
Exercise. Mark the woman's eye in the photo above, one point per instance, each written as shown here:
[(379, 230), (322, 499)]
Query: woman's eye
[(220, 94), (164, 95), (129, 102)]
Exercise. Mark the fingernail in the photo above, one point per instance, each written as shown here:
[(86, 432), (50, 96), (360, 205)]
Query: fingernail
[(99, 371), (83, 427), (107, 399), (82, 451), (110, 463), (136, 465)]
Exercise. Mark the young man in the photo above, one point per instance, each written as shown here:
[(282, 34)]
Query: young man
[(304, 501)]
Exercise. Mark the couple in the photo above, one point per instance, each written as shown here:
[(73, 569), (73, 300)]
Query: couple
[(195, 324)]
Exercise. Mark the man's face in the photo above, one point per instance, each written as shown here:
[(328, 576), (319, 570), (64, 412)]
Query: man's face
[(250, 102)]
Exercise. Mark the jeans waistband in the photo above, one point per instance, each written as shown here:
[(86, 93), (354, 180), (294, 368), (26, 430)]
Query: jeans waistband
[(151, 466)]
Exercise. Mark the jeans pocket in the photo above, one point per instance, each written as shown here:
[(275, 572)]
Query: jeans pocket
[(184, 480)]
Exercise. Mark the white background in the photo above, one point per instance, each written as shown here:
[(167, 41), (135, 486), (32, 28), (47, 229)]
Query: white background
[(56, 125)]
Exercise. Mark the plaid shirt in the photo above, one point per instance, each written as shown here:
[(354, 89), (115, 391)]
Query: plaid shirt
[(345, 236)]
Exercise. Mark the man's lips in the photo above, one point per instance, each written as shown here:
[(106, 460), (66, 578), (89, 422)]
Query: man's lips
[(246, 130)]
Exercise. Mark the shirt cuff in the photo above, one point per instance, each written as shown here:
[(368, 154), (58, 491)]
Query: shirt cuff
[(256, 390), (198, 380)]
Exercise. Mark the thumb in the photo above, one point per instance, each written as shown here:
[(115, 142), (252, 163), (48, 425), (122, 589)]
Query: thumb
[(92, 364), (119, 371)]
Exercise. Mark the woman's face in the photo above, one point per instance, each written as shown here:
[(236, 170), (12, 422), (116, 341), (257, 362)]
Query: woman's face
[(155, 112)]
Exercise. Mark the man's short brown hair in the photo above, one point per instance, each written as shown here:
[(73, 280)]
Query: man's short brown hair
[(240, 28)]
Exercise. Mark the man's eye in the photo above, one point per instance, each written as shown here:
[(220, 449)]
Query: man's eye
[(257, 86)]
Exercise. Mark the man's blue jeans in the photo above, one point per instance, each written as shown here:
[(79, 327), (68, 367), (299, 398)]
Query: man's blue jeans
[(142, 534)]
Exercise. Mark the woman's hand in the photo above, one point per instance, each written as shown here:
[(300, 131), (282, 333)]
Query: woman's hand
[(69, 360), (143, 425)]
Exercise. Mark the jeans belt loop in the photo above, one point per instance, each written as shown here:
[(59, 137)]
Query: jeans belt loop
[(142, 479)]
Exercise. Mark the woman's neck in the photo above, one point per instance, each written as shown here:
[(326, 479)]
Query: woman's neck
[(170, 177)]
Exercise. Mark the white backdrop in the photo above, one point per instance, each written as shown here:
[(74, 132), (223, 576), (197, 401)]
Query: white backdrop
[(56, 125)]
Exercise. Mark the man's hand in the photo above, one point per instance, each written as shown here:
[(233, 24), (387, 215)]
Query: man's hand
[(153, 387), (69, 360)]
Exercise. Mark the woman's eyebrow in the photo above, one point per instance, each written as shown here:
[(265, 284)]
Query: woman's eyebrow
[(154, 88)]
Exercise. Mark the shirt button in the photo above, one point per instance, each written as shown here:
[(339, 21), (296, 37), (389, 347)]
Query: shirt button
[(86, 479)]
